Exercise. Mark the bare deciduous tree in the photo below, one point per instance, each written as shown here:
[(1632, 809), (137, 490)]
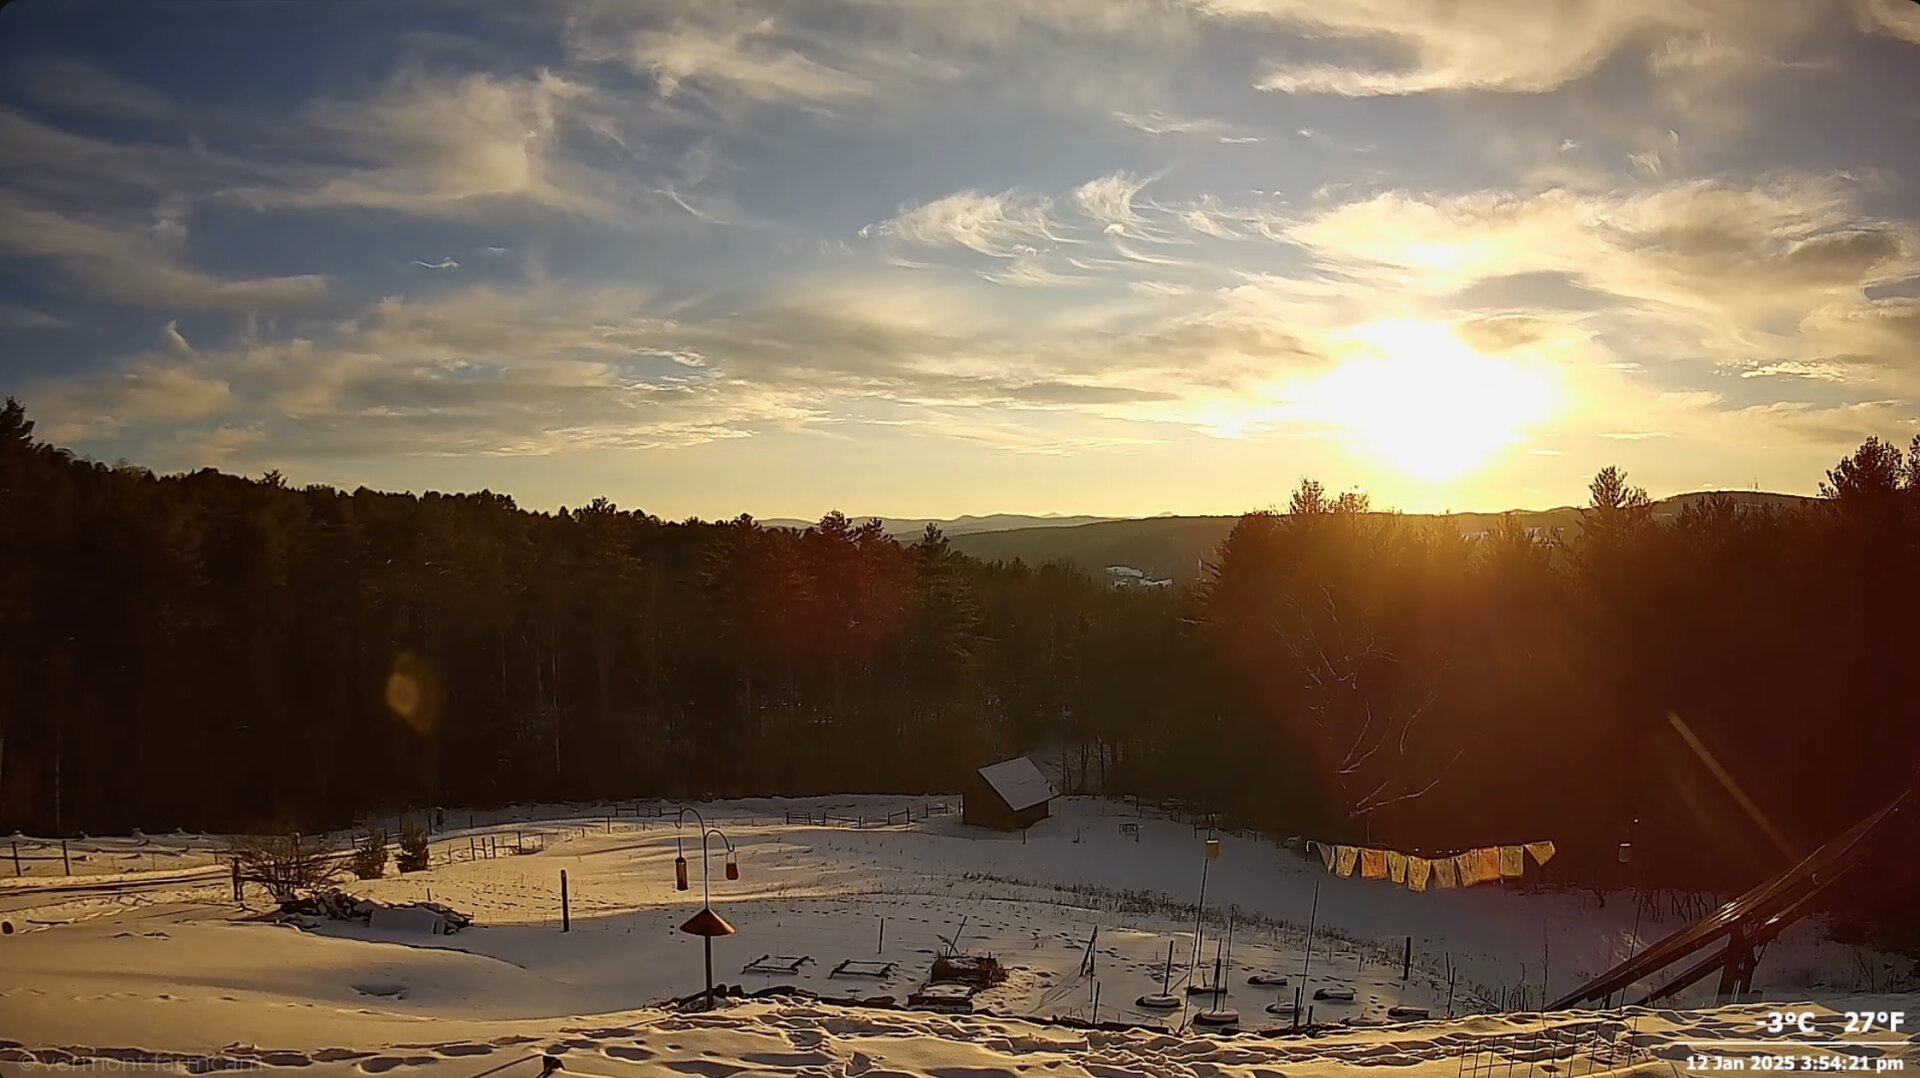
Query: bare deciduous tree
[(287, 865), (1363, 732)]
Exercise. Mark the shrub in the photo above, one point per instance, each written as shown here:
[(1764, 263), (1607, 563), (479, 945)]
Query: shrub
[(286, 865), (413, 848), (369, 860)]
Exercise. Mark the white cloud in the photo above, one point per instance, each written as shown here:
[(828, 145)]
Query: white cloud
[(78, 88), (1520, 46), (543, 367), (1031, 271), (129, 264), (1004, 225), (1776, 248), (1159, 123), (441, 146), (13, 316), (1109, 200), (1895, 18), (146, 392), (739, 61)]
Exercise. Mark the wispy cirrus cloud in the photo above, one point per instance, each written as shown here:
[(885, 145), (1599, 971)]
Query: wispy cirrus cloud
[(1158, 123), (14, 316), (542, 367), (1003, 225), (1508, 46), (450, 146), (75, 87), (747, 61), (1108, 201), (1894, 18), (127, 262)]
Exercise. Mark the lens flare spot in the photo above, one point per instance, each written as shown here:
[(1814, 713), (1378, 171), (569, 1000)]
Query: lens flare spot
[(412, 694)]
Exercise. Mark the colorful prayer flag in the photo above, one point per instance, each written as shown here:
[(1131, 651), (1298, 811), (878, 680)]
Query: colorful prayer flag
[(1373, 864), (1513, 861)]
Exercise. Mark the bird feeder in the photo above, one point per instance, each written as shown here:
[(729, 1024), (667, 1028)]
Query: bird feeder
[(733, 866), (1626, 852), (1213, 849), (707, 924), (680, 873)]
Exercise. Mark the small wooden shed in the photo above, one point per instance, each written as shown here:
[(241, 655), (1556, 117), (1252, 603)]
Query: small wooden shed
[(1011, 795)]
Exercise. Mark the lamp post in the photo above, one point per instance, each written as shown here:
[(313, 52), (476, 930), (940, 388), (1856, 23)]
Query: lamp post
[(706, 924)]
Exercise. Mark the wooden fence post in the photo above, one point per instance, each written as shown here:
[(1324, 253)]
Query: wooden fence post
[(566, 918)]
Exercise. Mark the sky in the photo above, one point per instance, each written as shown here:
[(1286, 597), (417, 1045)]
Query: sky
[(936, 257)]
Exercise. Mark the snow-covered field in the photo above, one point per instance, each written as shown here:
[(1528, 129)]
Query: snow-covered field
[(168, 972)]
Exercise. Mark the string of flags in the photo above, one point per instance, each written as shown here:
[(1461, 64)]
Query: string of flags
[(1418, 873)]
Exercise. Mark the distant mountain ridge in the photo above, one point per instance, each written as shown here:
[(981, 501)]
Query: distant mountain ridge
[(1176, 547), (908, 527)]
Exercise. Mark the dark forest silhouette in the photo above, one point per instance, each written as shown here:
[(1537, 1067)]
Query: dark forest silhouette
[(216, 652)]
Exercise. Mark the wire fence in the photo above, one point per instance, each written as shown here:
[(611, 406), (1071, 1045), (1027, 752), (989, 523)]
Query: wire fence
[(1565, 1050)]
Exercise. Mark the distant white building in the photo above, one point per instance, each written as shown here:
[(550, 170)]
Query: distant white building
[(1126, 576), (1538, 535)]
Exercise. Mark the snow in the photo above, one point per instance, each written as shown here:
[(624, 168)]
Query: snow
[(172, 973), (1019, 783)]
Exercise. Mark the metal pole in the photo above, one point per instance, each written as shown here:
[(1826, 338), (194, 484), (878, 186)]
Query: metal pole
[(1313, 918), (709, 942), (1218, 985), (16, 860), (566, 918), (66, 866), (1198, 909)]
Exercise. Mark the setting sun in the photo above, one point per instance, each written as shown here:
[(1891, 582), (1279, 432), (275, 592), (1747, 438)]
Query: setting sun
[(1425, 402)]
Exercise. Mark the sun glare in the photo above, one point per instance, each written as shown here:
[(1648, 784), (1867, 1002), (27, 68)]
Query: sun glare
[(1420, 398)]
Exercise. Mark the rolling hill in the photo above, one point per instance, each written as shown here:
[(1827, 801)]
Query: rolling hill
[(906, 528), (1177, 547)]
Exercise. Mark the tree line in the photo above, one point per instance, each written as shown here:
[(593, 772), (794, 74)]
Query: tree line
[(1721, 689)]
